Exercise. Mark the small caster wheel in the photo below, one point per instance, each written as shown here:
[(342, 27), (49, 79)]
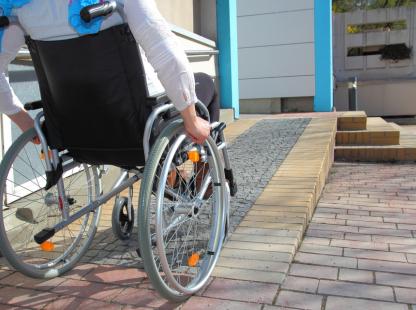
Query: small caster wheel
[(139, 254), (122, 226)]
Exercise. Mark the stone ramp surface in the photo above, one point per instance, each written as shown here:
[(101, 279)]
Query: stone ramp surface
[(265, 242)]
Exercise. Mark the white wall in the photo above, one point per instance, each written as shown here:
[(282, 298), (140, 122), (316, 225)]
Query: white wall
[(368, 68), (276, 48)]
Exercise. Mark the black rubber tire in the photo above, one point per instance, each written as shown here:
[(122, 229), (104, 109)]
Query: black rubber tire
[(122, 227)]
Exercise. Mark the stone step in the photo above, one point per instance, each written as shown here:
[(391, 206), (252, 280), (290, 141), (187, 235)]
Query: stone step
[(405, 151), (378, 132), (352, 120), (375, 153)]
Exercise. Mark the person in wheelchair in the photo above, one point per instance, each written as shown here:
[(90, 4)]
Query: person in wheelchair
[(60, 21), (97, 110)]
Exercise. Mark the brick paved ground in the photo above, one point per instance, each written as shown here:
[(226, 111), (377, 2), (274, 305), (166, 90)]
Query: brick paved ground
[(359, 253), (360, 248)]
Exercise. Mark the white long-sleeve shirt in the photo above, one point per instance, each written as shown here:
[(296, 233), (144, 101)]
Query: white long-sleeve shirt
[(48, 20)]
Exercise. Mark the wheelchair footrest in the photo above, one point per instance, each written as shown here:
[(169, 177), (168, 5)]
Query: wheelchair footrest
[(231, 182), (44, 234)]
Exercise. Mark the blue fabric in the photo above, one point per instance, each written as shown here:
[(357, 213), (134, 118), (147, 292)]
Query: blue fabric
[(74, 18), (83, 28), (6, 7)]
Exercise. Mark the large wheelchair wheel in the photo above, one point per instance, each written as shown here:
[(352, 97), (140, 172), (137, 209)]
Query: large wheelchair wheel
[(26, 208), (181, 213)]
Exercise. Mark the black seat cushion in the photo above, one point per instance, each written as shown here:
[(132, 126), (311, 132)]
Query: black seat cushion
[(94, 95)]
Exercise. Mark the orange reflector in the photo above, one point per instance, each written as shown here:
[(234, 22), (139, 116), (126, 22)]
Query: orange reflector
[(193, 260), (42, 155), (193, 156), (47, 246)]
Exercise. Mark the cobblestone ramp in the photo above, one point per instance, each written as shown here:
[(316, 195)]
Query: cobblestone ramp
[(255, 154)]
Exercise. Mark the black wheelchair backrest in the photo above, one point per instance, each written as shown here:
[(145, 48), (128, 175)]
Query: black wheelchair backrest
[(94, 92)]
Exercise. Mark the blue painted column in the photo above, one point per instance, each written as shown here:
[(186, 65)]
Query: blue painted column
[(323, 56), (228, 57)]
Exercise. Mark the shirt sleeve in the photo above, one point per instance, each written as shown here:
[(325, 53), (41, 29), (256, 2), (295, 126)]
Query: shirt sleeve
[(164, 53), (13, 40)]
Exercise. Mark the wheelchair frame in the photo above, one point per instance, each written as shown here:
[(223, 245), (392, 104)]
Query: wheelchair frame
[(123, 182)]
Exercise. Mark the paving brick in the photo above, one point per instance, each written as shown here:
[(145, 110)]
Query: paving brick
[(326, 260), (411, 258), (395, 279), (263, 239), (253, 264), (322, 220), (317, 241), (18, 279), (379, 255), (299, 300), (25, 298), (357, 237), (67, 302), (79, 271), (142, 298), (395, 240), (5, 273), (386, 232), (268, 307), (359, 245), (256, 255), (406, 226), (403, 248), (360, 218), (267, 232), (384, 266), (242, 291), (405, 295), (354, 275), (320, 249), (372, 224), (306, 285), (340, 303), (271, 225), (324, 234), (318, 272), (269, 247), (248, 274), (85, 289), (348, 289), (196, 303), (339, 228), (116, 275)]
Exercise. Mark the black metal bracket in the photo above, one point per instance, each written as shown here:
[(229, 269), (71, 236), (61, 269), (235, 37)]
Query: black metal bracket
[(230, 178), (52, 177)]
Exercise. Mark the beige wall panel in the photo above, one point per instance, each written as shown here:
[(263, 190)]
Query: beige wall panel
[(276, 61), (284, 87), (178, 12), (253, 7), (275, 29)]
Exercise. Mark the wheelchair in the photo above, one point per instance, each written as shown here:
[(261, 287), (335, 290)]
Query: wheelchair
[(95, 111)]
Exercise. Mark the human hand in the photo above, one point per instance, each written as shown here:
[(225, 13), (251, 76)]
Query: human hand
[(197, 128)]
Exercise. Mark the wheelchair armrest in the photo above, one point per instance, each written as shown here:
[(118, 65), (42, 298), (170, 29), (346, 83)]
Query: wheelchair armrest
[(158, 100)]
